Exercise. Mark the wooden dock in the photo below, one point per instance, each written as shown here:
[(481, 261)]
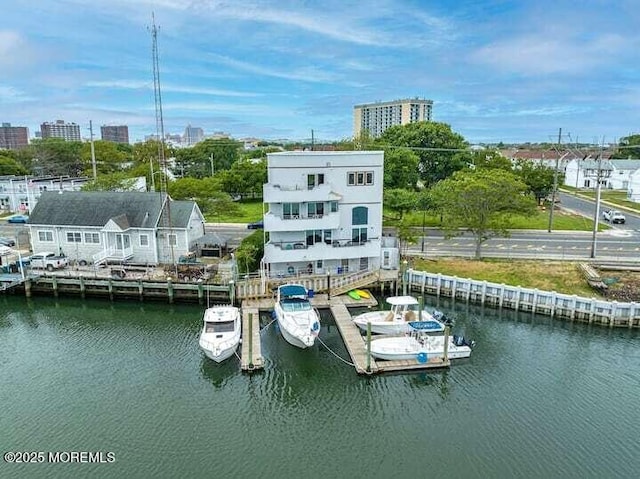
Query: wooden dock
[(251, 359), (357, 346), (352, 338)]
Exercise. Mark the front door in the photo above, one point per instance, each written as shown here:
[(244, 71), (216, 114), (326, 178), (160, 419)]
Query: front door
[(123, 242)]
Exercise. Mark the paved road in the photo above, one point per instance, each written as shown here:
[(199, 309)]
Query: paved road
[(587, 208), (610, 245)]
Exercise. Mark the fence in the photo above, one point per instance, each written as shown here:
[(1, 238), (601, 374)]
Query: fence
[(572, 307)]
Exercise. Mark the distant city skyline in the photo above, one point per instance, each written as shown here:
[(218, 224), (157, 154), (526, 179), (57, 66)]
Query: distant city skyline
[(496, 71)]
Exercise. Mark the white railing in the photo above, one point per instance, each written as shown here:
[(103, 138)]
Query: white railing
[(112, 253), (573, 307)]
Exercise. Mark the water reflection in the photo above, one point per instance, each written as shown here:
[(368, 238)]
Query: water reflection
[(219, 373)]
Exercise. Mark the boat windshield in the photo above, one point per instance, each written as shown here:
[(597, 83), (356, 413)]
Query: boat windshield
[(219, 327), (292, 305)]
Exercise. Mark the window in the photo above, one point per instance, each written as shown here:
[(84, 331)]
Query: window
[(315, 180), (360, 215), (144, 240), (327, 236), (359, 235), (319, 264), (315, 209), (334, 206), (369, 177), (173, 239), (360, 178), (74, 237), (92, 238), (45, 236), (290, 210), (313, 237)]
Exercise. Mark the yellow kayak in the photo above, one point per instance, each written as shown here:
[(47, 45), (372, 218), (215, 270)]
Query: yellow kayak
[(363, 294)]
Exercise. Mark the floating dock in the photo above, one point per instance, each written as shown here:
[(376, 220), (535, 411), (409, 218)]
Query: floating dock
[(251, 358)]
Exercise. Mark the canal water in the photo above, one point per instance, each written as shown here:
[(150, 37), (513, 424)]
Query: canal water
[(538, 398)]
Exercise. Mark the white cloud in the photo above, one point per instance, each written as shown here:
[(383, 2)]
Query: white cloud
[(146, 85), (551, 51)]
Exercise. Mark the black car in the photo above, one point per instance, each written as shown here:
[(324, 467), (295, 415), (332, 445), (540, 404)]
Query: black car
[(256, 225), (7, 241)]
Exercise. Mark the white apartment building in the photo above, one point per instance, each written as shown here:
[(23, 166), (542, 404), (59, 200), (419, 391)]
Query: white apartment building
[(377, 117), (325, 213)]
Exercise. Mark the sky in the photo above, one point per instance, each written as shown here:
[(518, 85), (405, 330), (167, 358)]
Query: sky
[(511, 71)]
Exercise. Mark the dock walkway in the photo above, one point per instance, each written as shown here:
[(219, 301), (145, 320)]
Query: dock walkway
[(251, 358), (352, 338)]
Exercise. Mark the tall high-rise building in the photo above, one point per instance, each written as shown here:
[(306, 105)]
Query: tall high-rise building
[(115, 133), (192, 135), (60, 129), (377, 117), (13, 137)]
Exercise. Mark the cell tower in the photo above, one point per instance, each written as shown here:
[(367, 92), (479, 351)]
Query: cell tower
[(162, 164)]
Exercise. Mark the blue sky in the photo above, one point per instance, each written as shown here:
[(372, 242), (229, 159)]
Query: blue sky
[(496, 70)]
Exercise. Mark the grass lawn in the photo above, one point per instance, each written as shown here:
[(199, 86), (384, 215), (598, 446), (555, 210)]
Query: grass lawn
[(559, 276), (615, 197), (248, 211), (561, 221)]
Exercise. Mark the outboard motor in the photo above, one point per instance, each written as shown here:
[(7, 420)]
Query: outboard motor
[(461, 341)]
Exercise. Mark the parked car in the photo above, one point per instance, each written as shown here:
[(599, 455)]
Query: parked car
[(614, 216), (7, 241), (256, 225), (48, 261), (18, 219)]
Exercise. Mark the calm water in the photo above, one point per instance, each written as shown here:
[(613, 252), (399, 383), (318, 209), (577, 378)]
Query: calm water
[(538, 399)]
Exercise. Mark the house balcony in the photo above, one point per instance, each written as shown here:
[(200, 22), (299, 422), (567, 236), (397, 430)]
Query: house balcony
[(329, 221), (298, 194), (292, 251)]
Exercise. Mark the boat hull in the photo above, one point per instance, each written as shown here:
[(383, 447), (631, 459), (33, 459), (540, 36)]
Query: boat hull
[(380, 325), (219, 355), (294, 340), (410, 347)]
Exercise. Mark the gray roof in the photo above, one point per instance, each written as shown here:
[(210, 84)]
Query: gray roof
[(96, 208), (632, 165)]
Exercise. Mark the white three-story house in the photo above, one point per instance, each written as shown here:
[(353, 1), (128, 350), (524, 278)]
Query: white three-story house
[(324, 213)]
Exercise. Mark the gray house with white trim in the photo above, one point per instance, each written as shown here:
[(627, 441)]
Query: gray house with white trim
[(100, 226)]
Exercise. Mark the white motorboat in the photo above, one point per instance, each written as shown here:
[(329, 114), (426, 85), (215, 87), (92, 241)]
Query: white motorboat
[(221, 332), (298, 321), (404, 310), (420, 347)]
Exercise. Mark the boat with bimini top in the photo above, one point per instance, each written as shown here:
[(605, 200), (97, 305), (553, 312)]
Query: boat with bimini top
[(298, 321), (404, 310), (421, 347)]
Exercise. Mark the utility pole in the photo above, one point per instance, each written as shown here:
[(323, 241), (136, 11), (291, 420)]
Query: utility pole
[(596, 215), (312, 140), (93, 152), (555, 181), (211, 160)]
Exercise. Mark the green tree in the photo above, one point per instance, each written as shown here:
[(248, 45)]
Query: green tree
[(118, 181), (9, 166), (629, 147), (57, 157), (205, 192), (538, 178), (109, 158), (245, 178), (481, 202), (490, 159), (400, 168), (400, 201), (441, 150), (250, 252)]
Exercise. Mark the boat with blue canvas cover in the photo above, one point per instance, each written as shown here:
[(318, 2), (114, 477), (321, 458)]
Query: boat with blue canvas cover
[(298, 321), (404, 310)]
